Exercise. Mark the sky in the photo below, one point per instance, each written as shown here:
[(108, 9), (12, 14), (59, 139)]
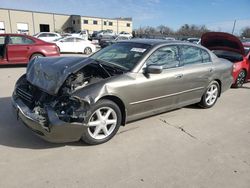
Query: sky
[(217, 15)]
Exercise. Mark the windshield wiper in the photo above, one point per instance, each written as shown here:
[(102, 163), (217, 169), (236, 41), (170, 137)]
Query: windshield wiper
[(112, 65)]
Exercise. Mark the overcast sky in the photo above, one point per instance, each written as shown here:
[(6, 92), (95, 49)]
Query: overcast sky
[(215, 14)]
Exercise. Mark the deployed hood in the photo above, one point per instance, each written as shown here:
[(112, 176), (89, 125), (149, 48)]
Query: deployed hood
[(49, 74), (222, 41)]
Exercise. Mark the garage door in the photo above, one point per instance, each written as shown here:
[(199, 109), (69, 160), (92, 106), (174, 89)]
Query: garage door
[(22, 28), (2, 28)]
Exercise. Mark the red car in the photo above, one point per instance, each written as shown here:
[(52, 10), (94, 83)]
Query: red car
[(19, 49), (228, 46)]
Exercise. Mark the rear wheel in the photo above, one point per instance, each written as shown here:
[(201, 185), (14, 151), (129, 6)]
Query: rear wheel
[(211, 95), (37, 55), (103, 123), (240, 79), (87, 50)]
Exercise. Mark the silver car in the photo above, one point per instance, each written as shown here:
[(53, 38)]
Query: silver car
[(66, 99)]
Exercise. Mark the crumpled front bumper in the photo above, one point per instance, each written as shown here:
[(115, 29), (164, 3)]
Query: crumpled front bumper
[(57, 130)]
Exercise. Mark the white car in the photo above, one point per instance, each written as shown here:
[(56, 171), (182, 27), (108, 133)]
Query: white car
[(125, 34), (81, 34), (47, 36), (75, 45)]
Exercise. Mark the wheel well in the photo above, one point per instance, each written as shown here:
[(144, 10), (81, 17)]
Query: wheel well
[(120, 104), (36, 53), (219, 82), (245, 70)]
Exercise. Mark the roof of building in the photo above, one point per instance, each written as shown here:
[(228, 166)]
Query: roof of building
[(120, 18)]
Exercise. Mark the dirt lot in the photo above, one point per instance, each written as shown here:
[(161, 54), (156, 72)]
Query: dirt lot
[(189, 147)]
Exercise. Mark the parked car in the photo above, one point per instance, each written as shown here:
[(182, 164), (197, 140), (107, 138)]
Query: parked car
[(125, 34), (106, 33), (193, 40), (71, 98), (81, 34), (111, 40), (47, 36), (75, 44), (20, 49), (228, 46)]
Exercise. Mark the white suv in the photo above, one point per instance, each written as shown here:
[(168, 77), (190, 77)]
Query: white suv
[(47, 36)]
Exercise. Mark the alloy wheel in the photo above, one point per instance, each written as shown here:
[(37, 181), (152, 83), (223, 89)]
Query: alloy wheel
[(211, 94), (102, 123), (241, 78)]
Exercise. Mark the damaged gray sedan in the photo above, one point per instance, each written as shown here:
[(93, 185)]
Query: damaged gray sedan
[(66, 99)]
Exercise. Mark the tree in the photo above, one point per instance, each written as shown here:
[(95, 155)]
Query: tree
[(246, 32)]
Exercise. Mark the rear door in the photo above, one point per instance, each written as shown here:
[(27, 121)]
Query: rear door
[(68, 45), (18, 48), (197, 70)]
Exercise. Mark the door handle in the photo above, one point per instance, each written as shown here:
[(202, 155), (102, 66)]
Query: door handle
[(211, 69), (28, 48), (178, 76)]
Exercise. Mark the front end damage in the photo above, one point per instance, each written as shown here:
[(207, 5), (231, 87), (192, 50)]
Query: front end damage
[(55, 119), (56, 116)]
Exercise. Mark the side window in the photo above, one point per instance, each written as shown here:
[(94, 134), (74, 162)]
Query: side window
[(51, 35), (68, 40), (2, 40), (43, 35), (78, 40), (20, 40), (190, 55), (165, 56), (205, 56)]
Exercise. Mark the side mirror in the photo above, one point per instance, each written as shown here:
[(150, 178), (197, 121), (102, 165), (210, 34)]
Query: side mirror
[(154, 69)]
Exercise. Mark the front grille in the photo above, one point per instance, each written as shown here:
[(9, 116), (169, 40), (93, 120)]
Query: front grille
[(24, 94)]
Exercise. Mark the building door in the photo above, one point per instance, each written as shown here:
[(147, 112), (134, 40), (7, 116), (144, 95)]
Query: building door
[(22, 28), (2, 28), (44, 28)]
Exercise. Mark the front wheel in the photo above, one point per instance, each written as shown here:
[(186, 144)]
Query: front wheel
[(240, 79), (211, 95), (103, 123), (87, 51)]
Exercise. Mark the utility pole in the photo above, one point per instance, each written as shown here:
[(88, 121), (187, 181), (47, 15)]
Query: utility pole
[(234, 26)]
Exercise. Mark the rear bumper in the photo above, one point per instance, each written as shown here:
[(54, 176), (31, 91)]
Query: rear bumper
[(57, 130)]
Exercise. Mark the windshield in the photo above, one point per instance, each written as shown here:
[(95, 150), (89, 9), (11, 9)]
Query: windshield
[(123, 55)]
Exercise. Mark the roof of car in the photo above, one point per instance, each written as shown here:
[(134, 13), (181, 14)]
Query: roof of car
[(154, 42), (13, 34)]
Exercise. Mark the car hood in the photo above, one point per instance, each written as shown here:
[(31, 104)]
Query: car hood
[(222, 41), (49, 74)]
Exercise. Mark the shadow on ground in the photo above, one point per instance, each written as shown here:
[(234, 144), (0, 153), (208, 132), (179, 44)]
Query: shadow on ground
[(14, 134)]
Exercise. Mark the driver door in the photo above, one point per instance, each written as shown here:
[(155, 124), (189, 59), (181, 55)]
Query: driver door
[(158, 92)]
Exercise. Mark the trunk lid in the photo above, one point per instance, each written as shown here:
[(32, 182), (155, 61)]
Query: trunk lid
[(49, 74), (222, 41)]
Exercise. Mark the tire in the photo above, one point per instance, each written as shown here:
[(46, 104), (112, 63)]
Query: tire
[(37, 55), (87, 51), (241, 78), (211, 95), (99, 130)]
